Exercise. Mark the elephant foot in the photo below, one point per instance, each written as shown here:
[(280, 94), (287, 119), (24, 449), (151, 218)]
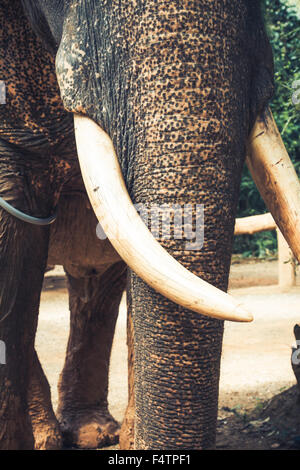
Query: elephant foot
[(45, 427), (92, 429), (47, 436), (127, 430)]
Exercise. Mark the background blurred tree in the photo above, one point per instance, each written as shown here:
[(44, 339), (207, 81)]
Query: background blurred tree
[(282, 19)]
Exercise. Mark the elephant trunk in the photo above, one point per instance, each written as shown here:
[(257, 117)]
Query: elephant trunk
[(186, 160)]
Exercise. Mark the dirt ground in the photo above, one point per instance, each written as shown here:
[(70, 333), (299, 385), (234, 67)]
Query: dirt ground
[(259, 405)]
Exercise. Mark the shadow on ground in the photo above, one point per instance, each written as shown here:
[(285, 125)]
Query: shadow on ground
[(273, 424)]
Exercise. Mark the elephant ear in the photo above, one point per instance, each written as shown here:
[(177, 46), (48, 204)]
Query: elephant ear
[(39, 24), (260, 54)]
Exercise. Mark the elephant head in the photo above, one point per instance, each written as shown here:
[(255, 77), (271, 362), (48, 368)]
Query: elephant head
[(165, 96)]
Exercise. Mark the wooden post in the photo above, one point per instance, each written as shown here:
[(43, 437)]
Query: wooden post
[(254, 224), (286, 263), (286, 259)]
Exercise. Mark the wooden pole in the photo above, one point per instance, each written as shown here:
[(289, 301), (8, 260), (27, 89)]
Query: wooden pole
[(254, 224), (286, 259), (286, 263)]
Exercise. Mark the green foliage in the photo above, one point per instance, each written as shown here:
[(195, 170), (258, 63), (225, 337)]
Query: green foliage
[(283, 27)]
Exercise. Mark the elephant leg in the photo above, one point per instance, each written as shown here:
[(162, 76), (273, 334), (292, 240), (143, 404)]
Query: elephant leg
[(46, 431), (127, 429), (83, 385), (23, 256)]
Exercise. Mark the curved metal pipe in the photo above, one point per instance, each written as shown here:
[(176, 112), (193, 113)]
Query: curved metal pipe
[(24, 217)]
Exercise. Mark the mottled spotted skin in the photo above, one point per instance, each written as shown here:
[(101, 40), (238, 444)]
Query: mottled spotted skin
[(177, 85), (39, 172)]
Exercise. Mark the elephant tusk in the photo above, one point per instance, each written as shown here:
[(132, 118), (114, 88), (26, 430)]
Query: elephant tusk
[(131, 238), (275, 177)]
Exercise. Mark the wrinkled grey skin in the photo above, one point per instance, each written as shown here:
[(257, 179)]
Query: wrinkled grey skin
[(177, 86)]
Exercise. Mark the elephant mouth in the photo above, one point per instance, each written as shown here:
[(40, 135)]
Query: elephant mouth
[(273, 173)]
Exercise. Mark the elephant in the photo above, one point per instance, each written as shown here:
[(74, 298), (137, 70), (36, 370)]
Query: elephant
[(122, 105)]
